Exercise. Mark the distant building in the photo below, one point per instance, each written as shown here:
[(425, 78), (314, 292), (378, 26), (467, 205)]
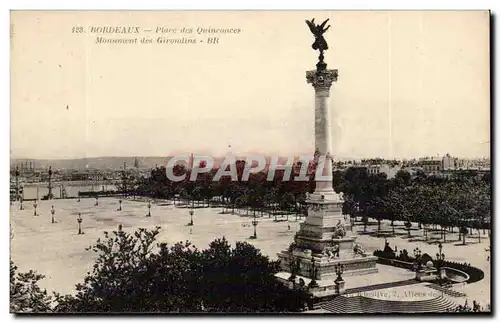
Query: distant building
[(387, 169), (449, 166), (449, 162), (431, 166)]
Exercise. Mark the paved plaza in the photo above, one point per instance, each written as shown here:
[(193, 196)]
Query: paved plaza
[(58, 252)]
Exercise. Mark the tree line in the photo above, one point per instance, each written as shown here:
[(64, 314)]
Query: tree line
[(462, 201)]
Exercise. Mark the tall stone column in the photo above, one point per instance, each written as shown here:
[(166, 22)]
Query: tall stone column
[(322, 244), (321, 80), (49, 195)]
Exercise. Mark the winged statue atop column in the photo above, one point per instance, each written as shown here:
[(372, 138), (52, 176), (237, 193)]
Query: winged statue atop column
[(318, 31)]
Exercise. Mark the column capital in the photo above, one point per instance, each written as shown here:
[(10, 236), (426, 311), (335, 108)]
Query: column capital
[(322, 80)]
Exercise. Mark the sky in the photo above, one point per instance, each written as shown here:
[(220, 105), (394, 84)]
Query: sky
[(410, 84)]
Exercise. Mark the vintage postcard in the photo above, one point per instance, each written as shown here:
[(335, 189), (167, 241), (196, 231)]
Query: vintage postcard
[(250, 162)]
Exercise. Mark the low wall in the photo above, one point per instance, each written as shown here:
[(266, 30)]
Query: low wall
[(473, 275), (395, 263)]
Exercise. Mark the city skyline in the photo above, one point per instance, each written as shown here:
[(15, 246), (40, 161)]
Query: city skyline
[(438, 156), (411, 84)]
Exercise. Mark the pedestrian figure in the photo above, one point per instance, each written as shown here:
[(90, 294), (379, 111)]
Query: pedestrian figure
[(289, 227)]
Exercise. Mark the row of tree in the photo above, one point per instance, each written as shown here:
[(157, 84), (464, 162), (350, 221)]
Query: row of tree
[(463, 201)]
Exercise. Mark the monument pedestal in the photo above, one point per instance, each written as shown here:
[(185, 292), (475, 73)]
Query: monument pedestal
[(322, 246)]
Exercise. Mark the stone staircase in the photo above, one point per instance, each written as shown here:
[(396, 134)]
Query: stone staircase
[(445, 290), (368, 288), (360, 304)]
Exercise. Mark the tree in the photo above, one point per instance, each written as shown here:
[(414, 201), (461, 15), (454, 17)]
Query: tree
[(25, 294), (121, 278), (463, 231), (476, 307), (132, 274), (241, 279)]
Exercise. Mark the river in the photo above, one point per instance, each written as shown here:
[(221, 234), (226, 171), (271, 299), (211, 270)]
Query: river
[(30, 190)]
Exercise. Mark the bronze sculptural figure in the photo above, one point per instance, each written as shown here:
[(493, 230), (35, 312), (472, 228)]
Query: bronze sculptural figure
[(319, 41), (318, 31)]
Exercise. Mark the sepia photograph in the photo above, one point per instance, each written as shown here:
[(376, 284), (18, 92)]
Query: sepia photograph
[(250, 162)]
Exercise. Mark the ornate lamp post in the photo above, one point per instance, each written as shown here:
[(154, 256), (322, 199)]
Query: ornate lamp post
[(149, 209), (417, 253), (191, 212), (254, 223), (439, 261), (339, 281), (339, 270), (79, 220), (314, 274), (35, 206), (52, 211), (17, 184), (49, 196)]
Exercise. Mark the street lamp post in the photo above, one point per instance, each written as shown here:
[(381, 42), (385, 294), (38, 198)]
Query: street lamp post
[(339, 281), (254, 223), (339, 270), (52, 211), (79, 220), (17, 184), (149, 209), (49, 195), (191, 212), (314, 274), (439, 261), (417, 253)]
